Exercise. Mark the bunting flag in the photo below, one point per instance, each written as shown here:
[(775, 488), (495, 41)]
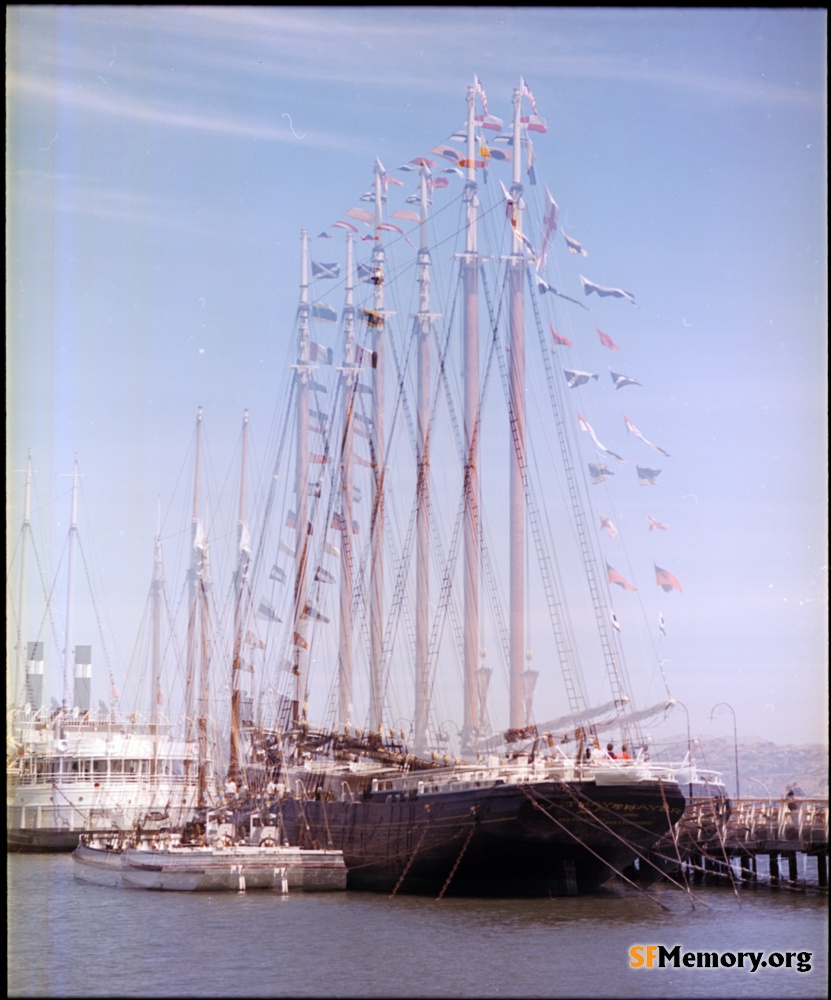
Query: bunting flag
[(373, 318), (386, 180), (323, 576), (312, 614), (324, 236), (332, 550), (618, 293), (387, 227), (321, 417), (363, 356), (634, 430), (662, 625), (622, 380), (318, 459), (317, 386), (317, 352), (656, 525), (529, 160), (598, 473), (574, 246), (341, 224), (291, 522), (647, 477), (338, 522), (325, 270), (368, 272), (606, 522), (606, 340), (407, 214), (287, 550), (266, 611), (666, 580), (113, 692), (560, 339), (159, 696), (613, 576), (587, 427), (549, 225), (323, 311), (277, 573), (448, 152), (544, 286), (495, 153), (362, 215), (298, 640), (254, 641), (615, 622), (575, 378)]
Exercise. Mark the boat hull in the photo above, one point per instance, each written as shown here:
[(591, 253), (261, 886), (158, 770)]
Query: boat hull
[(536, 839), (208, 869)]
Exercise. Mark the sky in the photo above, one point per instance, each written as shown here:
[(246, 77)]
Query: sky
[(161, 163)]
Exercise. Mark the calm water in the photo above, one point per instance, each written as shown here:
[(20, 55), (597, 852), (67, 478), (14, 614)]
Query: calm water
[(69, 939)]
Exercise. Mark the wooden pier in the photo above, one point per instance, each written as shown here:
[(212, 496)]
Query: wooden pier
[(724, 840)]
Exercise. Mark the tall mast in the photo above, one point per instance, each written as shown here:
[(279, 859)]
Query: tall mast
[(348, 379), (422, 327), (302, 374), (470, 376), (197, 547), (376, 611), (73, 533), (240, 580), (157, 589), (19, 679), (516, 357)]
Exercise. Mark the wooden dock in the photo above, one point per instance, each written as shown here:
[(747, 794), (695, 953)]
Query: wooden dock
[(726, 840)]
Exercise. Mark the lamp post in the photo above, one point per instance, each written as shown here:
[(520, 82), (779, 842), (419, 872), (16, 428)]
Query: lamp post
[(689, 743), (735, 740), (758, 782)]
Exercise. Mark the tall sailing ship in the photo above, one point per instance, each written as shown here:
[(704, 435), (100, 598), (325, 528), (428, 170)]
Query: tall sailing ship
[(72, 768), (414, 491)]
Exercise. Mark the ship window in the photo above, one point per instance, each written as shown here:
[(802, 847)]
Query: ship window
[(99, 767), (116, 767)]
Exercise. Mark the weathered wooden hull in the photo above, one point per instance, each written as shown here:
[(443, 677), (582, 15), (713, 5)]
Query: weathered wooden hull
[(536, 839)]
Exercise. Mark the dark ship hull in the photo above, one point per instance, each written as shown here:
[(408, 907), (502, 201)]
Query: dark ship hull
[(536, 839)]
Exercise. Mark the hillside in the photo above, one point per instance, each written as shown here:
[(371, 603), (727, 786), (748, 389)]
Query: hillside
[(765, 768)]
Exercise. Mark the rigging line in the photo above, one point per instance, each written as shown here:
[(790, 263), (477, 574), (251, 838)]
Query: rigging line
[(95, 612), (601, 609), (586, 847), (575, 796)]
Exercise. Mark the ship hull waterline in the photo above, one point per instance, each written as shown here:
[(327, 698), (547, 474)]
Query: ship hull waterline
[(544, 838)]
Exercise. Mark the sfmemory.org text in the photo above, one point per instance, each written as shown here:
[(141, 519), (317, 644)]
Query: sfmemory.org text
[(658, 956)]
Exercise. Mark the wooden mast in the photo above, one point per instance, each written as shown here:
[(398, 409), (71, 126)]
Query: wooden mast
[(240, 582), (516, 378), (349, 377)]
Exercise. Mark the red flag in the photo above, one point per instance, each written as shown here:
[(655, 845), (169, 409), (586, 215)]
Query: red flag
[(300, 641), (606, 340), (560, 339), (666, 580), (614, 577)]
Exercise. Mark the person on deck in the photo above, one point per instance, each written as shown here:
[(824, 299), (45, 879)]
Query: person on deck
[(624, 755), (610, 751)]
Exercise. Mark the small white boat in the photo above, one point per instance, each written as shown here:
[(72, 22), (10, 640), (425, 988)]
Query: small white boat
[(163, 863)]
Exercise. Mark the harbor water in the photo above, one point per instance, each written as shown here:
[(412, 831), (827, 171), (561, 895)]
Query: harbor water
[(68, 939)]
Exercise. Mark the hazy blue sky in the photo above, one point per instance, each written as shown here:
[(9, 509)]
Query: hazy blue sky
[(161, 163)]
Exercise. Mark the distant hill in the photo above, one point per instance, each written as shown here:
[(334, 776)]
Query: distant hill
[(770, 765)]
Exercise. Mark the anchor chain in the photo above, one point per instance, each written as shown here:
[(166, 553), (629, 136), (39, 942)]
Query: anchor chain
[(461, 855)]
